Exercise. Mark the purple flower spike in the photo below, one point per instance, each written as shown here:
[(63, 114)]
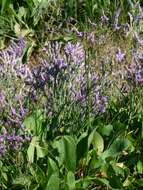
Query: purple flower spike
[(120, 56), (60, 63), (75, 52)]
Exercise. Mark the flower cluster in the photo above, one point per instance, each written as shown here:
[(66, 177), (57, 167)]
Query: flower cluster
[(87, 92), (135, 73), (75, 52), (12, 88), (60, 71), (65, 67), (11, 141), (13, 94)]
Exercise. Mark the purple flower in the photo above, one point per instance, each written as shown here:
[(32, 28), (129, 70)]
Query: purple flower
[(75, 52), (80, 34), (60, 63), (120, 56), (2, 149), (17, 47), (138, 77)]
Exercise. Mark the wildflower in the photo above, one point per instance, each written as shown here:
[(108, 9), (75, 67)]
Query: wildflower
[(75, 52), (138, 77), (80, 34), (120, 56), (60, 63)]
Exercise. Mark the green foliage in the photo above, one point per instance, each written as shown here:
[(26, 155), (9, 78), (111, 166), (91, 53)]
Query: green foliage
[(67, 152)]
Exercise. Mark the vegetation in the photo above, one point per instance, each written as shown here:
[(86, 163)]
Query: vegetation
[(71, 105)]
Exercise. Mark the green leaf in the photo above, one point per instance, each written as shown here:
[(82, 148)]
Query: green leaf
[(116, 148), (96, 140), (67, 152), (53, 182), (71, 180), (82, 146), (31, 150), (106, 130), (34, 123), (22, 12), (30, 124), (140, 167), (52, 167), (59, 145), (42, 150), (5, 4)]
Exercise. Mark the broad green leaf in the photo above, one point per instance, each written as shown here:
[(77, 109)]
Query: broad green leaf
[(59, 145), (30, 124), (52, 167), (140, 167), (31, 149), (71, 180), (34, 122), (67, 152), (70, 150), (82, 146), (53, 182), (42, 150), (95, 162), (96, 140)]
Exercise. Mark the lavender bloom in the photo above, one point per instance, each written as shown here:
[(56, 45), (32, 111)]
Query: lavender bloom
[(83, 94), (56, 68), (2, 150), (138, 76), (120, 56), (60, 63), (11, 141), (80, 34), (16, 47), (75, 52), (12, 71)]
